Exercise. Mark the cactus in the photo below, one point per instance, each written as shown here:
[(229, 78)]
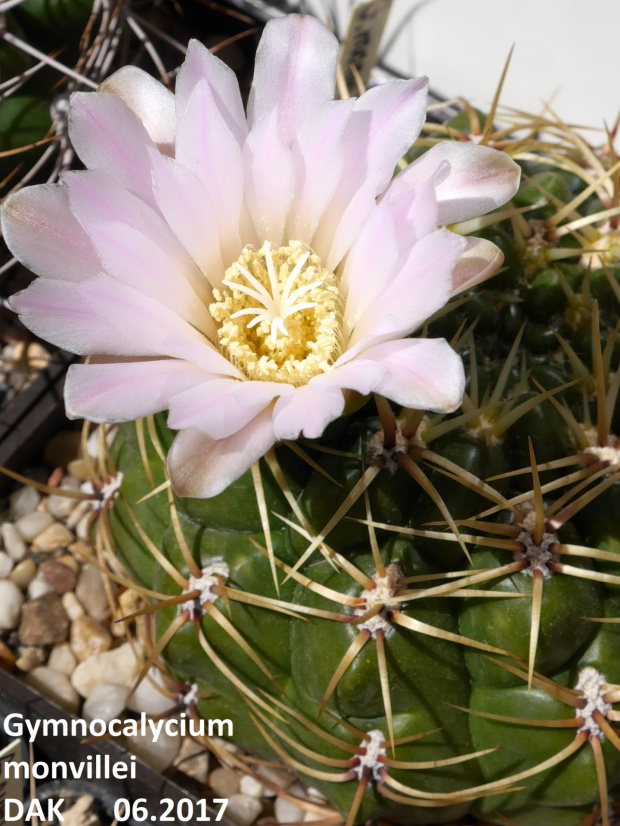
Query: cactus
[(416, 613)]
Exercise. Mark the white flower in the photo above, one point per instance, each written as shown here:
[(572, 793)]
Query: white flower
[(249, 274)]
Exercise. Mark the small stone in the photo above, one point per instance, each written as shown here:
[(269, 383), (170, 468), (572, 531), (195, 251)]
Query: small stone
[(224, 782), (37, 356), (58, 576), (23, 573), (30, 657), (80, 550), (69, 561), (38, 587), (150, 698), (105, 702), (78, 513), (24, 500), (88, 637), (278, 777), (62, 448), (54, 685), (7, 658), (11, 600), (82, 529), (193, 760), (32, 524), (72, 606), (158, 754), (80, 469), (91, 593), (14, 545), (243, 810), (287, 812), (62, 659), (82, 813), (6, 565), (44, 621), (122, 662), (312, 817), (61, 506), (250, 786), (53, 538)]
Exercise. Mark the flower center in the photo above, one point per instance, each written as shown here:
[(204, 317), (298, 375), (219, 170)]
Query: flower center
[(294, 307)]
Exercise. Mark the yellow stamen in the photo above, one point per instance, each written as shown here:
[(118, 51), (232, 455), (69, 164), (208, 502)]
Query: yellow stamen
[(288, 284)]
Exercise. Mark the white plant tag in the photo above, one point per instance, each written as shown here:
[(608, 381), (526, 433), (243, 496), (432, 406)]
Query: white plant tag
[(360, 45)]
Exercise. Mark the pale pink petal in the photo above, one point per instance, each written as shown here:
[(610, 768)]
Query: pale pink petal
[(480, 260), (294, 72), (200, 64), (415, 213), (136, 246), (40, 230), (203, 467), (137, 261), (58, 312), (221, 407), (123, 391), (420, 289), (313, 406), (308, 411), (270, 180), (178, 192), (479, 179), (335, 235), (371, 266), (394, 226), (149, 100), (107, 135), (319, 155), (425, 374), (385, 122), (140, 319), (207, 147)]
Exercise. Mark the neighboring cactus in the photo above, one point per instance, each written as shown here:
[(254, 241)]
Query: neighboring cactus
[(419, 613)]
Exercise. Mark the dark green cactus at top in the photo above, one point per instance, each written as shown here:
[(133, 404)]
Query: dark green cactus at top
[(451, 645)]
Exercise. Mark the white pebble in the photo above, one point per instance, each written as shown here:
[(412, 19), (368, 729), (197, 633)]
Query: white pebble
[(24, 500), (62, 659), (53, 538), (32, 524), (122, 662), (148, 698), (243, 810), (250, 786), (105, 702), (91, 593), (82, 529), (160, 754), (287, 812), (14, 545), (72, 606), (61, 506), (224, 782), (11, 600), (279, 777), (38, 587), (77, 513), (55, 685), (6, 565)]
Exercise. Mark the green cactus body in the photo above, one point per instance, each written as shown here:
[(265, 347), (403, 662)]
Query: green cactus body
[(443, 637)]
